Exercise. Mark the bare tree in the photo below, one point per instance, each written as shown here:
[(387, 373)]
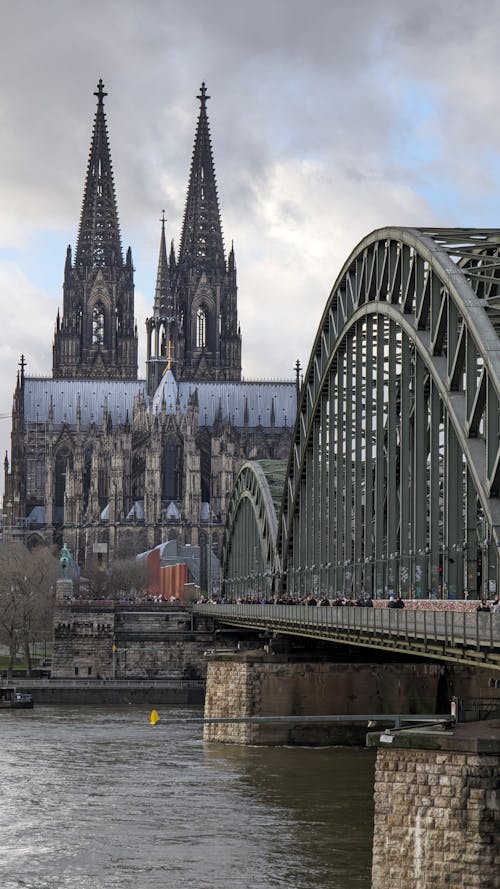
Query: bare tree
[(122, 577), (27, 580)]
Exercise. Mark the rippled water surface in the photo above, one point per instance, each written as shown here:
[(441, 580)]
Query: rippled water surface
[(94, 798)]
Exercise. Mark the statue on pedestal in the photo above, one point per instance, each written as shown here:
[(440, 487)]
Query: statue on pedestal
[(65, 560)]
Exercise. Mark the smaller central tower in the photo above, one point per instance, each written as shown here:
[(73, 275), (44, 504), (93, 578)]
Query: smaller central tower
[(96, 336), (162, 327)]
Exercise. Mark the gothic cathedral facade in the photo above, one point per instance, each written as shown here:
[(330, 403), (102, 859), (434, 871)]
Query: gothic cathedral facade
[(108, 462)]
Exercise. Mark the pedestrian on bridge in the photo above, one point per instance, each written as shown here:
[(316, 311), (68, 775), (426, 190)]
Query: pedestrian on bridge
[(395, 602), (483, 606)]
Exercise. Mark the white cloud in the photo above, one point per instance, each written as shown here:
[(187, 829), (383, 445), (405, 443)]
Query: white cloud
[(313, 218), (27, 328)]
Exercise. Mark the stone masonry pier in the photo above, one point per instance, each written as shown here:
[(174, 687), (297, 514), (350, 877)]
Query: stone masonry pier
[(256, 683), (437, 808)]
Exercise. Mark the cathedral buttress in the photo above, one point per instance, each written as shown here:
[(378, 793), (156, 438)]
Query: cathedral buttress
[(96, 336), (15, 480)]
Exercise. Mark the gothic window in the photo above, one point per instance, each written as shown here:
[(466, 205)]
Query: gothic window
[(78, 316), (98, 325), (138, 467), (63, 462), (87, 471), (172, 469), (201, 328), (119, 318), (102, 488), (35, 478)]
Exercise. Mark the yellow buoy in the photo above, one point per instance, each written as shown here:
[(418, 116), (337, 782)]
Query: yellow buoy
[(154, 717)]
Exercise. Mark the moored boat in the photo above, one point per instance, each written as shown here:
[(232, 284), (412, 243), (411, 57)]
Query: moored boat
[(11, 699)]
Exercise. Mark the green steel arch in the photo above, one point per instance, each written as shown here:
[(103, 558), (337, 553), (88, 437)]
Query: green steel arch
[(393, 477), (249, 545)]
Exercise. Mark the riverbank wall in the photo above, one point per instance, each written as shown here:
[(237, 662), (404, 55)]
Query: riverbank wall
[(111, 641), (119, 693)]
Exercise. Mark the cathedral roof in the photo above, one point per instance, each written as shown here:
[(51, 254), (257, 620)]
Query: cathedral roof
[(93, 396), (251, 404), (167, 391), (259, 403)]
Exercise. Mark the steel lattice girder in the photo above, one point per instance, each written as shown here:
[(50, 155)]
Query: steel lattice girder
[(249, 544), (395, 459)]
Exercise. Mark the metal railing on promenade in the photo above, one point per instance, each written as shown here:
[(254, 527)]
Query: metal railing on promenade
[(451, 635)]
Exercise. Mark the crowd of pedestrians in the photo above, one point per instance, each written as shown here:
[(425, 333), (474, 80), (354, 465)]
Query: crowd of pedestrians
[(361, 601)]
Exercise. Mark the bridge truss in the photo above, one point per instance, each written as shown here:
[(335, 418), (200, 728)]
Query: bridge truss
[(248, 550), (393, 477)]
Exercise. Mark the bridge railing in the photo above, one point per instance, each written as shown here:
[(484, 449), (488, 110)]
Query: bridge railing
[(450, 630)]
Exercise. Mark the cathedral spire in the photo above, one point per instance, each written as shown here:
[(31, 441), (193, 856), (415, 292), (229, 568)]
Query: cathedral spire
[(96, 335), (163, 306), (99, 242), (202, 246)]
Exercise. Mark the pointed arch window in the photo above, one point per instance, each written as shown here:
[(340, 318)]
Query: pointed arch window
[(62, 466), (119, 318), (172, 459), (201, 328), (98, 325)]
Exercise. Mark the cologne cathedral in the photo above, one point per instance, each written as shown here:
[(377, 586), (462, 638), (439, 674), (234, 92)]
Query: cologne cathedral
[(114, 464)]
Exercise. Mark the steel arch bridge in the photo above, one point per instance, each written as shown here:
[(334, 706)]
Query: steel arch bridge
[(393, 477), (249, 545)]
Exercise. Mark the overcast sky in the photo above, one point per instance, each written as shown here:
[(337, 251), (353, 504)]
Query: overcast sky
[(329, 119)]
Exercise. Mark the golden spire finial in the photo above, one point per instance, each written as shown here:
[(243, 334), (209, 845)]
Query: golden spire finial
[(170, 355)]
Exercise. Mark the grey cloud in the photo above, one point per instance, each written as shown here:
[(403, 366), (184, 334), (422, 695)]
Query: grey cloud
[(309, 111)]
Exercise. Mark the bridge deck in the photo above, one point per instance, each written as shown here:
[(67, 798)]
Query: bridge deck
[(448, 635)]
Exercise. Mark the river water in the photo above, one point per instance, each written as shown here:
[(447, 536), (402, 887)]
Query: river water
[(94, 798)]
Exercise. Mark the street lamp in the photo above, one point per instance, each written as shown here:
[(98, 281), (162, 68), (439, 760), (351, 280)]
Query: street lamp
[(368, 575), (114, 651), (391, 573), (484, 567), (459, 549), (380, 583), (329, 565)]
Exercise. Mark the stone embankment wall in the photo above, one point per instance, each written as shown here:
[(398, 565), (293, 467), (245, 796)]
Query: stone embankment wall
[(437, 815), (112, 642), (259, 685), (93, 693)]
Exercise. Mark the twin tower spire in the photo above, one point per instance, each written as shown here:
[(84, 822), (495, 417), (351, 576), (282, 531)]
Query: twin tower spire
[(194, 327)]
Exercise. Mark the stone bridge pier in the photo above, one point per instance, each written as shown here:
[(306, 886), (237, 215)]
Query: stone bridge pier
[(437, 808), (260, 683), (437, 790)]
